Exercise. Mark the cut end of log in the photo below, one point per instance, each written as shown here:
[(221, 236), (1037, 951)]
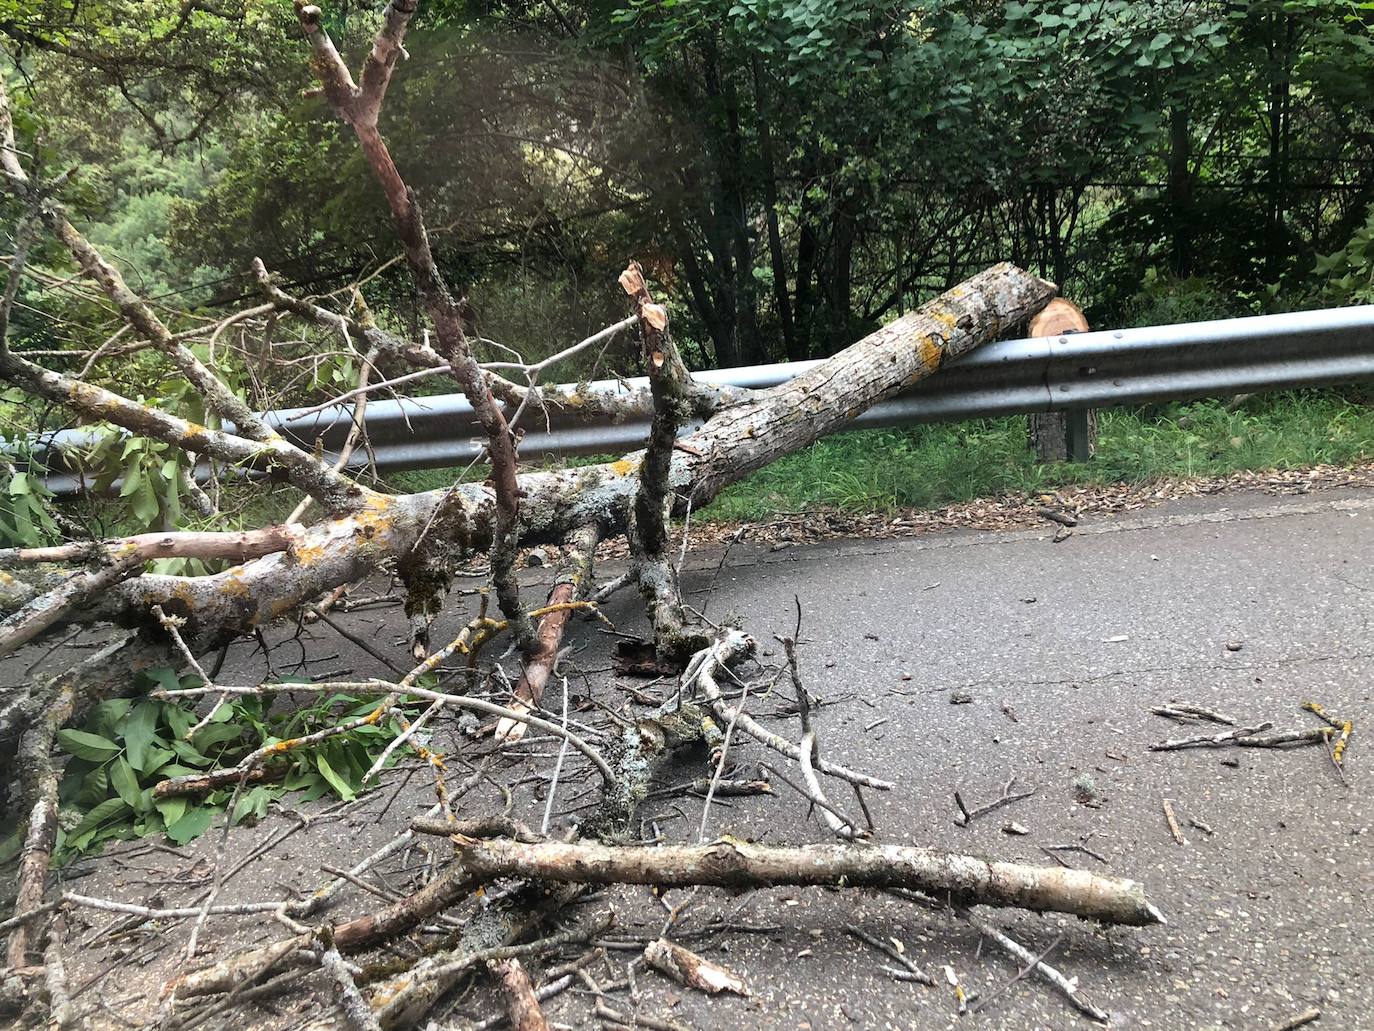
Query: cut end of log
[(1058, 317), (632, 280), (655, 315)]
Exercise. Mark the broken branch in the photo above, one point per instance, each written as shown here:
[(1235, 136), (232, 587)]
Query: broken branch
[(731, 863)]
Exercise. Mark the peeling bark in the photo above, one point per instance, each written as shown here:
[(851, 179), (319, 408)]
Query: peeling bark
[(522, 1007), (686, 967), (573, 583)]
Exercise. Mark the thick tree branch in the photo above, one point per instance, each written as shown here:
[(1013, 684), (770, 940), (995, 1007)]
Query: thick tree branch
[(739, 439), (47, 609), (671, 388), (572, 583), (359, 108)]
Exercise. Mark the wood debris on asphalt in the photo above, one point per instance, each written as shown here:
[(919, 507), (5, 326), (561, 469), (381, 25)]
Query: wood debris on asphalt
[(965, 816), (1172, 820)]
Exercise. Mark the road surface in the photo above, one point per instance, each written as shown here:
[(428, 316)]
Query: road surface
[(957, 661)]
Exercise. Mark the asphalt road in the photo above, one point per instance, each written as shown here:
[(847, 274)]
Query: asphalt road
[(955, 662)]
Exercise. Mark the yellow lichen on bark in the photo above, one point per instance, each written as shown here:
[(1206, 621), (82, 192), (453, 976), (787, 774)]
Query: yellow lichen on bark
[(233, 584), (930, 352)]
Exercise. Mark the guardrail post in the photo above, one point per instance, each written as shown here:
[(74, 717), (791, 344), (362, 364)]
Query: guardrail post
[(1080, 434)]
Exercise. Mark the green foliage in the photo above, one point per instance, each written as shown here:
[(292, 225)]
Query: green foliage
[(1166, 301), (25, 519), (1349, 271), (178, 68), (128, 745)]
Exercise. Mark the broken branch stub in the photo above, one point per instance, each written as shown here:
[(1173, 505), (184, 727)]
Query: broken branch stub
[(687, 968)]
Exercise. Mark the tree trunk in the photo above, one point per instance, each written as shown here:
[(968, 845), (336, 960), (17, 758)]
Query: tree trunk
[(1181, 188), (781, 298), (744, 435)]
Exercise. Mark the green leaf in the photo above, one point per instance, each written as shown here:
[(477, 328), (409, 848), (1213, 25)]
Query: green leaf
[(178, 720), (164, 677), (188, 753), (192, 825), (95, 786), (124, 781), (132, 481), (156, 759), (140, 730), (77, 842), (172, 809), (341, 787), (253, 803), (106, 810), (215, 734), (150, 824), (85, 745), (144, 501), (106, 716)]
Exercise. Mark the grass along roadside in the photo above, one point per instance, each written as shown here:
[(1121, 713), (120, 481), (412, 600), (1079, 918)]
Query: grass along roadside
[(928, 467)]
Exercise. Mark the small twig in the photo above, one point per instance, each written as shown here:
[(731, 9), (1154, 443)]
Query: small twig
[(914, 971), (1173, 822), (1210, 740), (355, 1008), (1056, 516), (543, 993), (839, 825), (1307, 1016), (402, 738), (720, 770), (1193, 821), (558, 765), (817, 800), (1306, 736), (1185, 710), (1067, 986), (1021, 974), (961, 997), (1080, 846), (967, 816)]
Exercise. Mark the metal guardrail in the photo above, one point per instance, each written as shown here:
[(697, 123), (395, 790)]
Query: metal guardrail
[(1048, 374)]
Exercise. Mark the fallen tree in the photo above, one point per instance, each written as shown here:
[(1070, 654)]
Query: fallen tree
[(423, 538)]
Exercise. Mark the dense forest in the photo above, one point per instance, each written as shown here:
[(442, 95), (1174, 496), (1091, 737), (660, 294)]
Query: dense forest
[(790, 174)]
